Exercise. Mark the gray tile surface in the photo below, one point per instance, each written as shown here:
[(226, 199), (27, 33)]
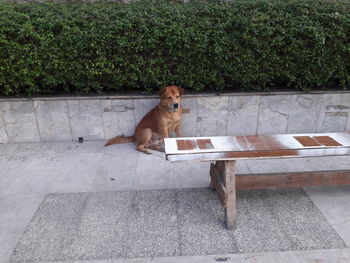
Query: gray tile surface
[(3, 133), (201, 224), (118, 117), (16, 212), (334, 113), (212, 115), (334, 203), (189, 120), (101, 227), (86, 119), (152, 172), (53, 120), (10, 168), (171, 223), (274, 113), (20, 121), (52, 229), (36, 174), (304, 113), (192, 174), (310, 256), (81, 173), (117, 169), (264, 166), (99, 118), (242, 116), (152, 227), (73, 167)]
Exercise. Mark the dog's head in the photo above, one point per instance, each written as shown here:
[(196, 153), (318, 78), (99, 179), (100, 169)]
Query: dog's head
[(170, 98)]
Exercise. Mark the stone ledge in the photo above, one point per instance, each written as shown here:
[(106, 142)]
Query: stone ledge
[(143, 96), (102, 117)]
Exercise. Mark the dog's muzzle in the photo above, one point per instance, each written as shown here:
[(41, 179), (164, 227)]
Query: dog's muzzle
[(174, 107)]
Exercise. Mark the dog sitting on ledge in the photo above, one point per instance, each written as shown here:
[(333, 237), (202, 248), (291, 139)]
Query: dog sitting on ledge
[(158, 123)]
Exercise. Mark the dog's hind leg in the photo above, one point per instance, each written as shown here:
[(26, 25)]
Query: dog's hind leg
[(143, 138), (142, 148), (156, 147)]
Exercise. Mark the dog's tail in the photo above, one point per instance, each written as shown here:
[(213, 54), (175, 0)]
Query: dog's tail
[(120, 139)]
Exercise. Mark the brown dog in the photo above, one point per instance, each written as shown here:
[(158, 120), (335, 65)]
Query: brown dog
[(156, 125)]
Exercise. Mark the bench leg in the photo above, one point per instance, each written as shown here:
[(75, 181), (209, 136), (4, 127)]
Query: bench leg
[(223, 181)]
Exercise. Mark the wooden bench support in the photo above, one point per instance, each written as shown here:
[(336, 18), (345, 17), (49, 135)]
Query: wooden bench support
[(294, 179), (222, 175), (216, 183)]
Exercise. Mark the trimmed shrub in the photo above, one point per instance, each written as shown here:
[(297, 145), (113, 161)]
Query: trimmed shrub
[(251, 45)]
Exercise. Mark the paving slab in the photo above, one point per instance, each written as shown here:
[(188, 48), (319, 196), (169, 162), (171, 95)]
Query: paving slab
[(101, 227), (16, 212), (152, 225), (334, 203), (133, 224), (258, 226), (191, 174), (153, 172), (300, 221), (10, 168), (35, 174), (78, 174), (52, 228), (117, 171), (202, 225), (314, 256), (64, 167)]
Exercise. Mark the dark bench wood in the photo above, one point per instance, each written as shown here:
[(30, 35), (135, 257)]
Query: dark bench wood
[(225, 150)]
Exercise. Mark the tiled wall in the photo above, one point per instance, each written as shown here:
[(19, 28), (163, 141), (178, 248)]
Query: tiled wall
[(100, 118)]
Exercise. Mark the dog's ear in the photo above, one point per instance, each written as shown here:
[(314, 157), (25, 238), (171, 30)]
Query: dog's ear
[(181, 90), (161, 92)]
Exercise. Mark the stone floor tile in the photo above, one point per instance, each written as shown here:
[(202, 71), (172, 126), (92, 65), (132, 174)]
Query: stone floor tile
[(153, 225)]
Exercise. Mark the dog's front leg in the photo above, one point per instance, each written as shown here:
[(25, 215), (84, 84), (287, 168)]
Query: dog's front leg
[(164, 133), (178, 131)]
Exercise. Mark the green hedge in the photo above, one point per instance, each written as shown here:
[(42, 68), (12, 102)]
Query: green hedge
[(252, 45)]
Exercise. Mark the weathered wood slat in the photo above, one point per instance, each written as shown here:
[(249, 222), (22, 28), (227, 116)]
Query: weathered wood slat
[(293, 179), (257, 146)]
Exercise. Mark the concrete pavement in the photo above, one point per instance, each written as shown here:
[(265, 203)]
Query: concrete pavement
[(31, 171)]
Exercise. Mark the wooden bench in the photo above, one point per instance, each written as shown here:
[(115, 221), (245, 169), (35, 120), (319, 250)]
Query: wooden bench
[(223, 152)]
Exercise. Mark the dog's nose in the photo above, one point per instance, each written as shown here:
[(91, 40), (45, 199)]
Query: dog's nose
[(176, 105)]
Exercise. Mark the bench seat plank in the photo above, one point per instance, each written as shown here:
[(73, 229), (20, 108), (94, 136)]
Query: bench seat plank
[(259, 146), (224, 156)]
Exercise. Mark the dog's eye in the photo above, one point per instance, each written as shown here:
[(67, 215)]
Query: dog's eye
[(169, 98), (177, 97)]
